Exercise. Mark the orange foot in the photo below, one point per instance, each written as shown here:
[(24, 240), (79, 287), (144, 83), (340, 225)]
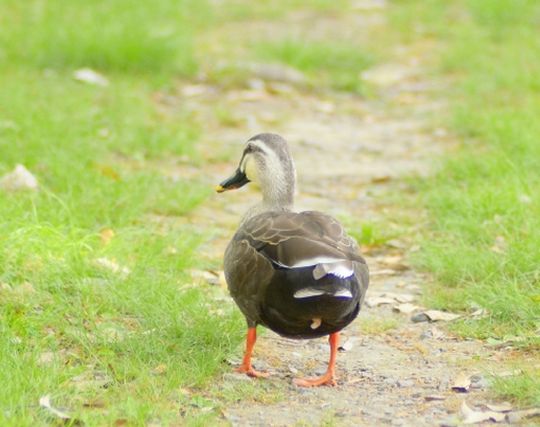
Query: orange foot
[(250, 372), (326, 379)]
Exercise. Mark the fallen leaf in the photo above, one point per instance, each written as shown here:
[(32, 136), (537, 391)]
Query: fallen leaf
[(106, 235), (160, 369), (108, 171), (405, 307), (45, 402), (383, 272), (112, 266), (87, 75), (500, 407), (18, 180), (395, 262), (394, 296), (380, 179), (471, 416), (462, 383), (436, 315), (432, 397), (376, 301), (348, 345)]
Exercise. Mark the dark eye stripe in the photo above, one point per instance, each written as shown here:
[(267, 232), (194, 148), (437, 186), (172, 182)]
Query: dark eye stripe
[(252, 149)]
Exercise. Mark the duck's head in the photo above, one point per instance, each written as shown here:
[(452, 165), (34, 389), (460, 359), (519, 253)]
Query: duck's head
[(265, 161)]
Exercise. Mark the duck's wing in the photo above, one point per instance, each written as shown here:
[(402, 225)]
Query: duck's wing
[(248, 273), (288, 240), (304, 239)]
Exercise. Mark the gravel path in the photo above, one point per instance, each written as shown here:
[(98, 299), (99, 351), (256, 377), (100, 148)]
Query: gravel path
[(350, 152)]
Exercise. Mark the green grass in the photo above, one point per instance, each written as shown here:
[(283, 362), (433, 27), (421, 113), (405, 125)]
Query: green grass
[(336, 64), (521, 388), (106, 345), (141, 344), (484, 244), (122, 35)]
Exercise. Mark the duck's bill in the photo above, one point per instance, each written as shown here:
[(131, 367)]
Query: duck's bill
[(239, 179)]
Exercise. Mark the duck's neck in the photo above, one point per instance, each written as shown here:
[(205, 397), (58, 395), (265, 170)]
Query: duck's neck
[(275, 199), (278, 197)]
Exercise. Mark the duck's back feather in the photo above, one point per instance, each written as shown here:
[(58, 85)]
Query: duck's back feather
[(275, 255)]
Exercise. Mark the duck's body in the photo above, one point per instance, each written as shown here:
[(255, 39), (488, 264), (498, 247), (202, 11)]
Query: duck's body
[(298, 274), (271, 264)]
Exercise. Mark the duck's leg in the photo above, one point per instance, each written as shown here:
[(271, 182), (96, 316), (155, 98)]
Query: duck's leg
[(246, 367), (329, 377)]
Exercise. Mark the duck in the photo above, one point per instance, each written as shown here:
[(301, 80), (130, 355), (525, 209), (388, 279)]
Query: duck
[(296, 273)]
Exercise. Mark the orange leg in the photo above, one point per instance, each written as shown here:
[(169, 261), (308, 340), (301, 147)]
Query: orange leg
[(246, 367), (329, 377)]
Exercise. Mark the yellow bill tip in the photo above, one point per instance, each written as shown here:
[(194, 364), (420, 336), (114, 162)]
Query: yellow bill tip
[(219, 189)]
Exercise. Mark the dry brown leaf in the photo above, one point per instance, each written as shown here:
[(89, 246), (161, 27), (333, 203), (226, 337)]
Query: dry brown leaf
[(436, 315), (106, 235), (160, 369), (348, 345), (405, 307), (376, 301), (471, 416), (380, 179), (462, 383), (108, 172), (382, 272), (499, 407), (432, 397), (403, 298), (395, 262)]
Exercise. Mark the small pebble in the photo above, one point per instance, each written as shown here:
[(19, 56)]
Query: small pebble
[(405, 383), (420, 317)]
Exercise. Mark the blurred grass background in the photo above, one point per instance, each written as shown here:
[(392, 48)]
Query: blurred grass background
[(484, 245), (68, 325)]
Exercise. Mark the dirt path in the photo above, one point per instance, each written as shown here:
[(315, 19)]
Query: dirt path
[(349, 153)]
